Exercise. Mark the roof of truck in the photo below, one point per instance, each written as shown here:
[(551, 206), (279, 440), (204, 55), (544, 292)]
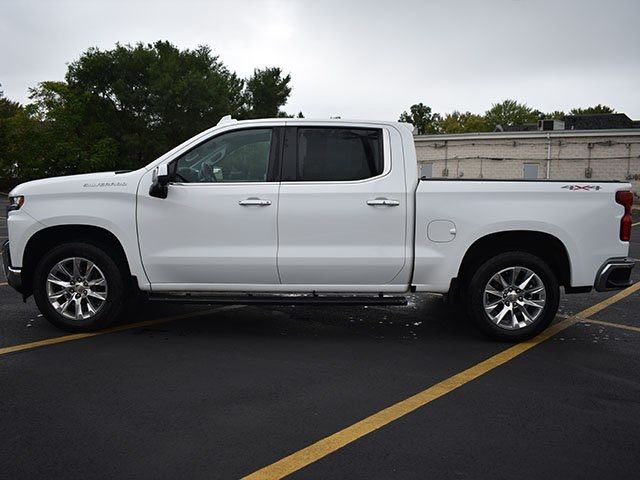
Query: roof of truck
[(228, 120)]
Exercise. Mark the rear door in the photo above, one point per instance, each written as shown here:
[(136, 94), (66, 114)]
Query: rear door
[(342, 208)]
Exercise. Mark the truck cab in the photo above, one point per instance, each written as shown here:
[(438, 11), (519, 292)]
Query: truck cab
[(290, 206)]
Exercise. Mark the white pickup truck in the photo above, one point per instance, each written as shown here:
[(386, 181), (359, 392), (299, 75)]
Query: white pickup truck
[(293, 210)]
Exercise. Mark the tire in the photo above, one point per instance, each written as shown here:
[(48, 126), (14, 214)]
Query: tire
[(94, 313), (492, 306)]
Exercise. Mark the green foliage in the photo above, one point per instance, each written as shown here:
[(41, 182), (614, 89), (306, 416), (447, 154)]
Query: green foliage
[(8, 108), (266, 91), (598, 109), (422, 119), (32, 145), (508, 113), (148, 98), (122, 108), (555, 115), (456, 122)]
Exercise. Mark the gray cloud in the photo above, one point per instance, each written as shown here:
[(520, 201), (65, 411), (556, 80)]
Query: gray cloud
[(359, 59)]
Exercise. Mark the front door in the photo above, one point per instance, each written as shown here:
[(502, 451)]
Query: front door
[(342, 208), (217, 228)]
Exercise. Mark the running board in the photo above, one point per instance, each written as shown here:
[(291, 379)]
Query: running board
[(279, 299)]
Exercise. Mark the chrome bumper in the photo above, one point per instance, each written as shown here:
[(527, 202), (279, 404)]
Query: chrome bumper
[(615, 274), (14, 276)]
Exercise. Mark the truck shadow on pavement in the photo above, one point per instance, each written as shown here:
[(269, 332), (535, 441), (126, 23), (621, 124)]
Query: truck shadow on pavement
[(424, 318)]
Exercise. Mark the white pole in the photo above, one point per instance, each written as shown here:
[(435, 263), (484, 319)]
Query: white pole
[(548, 155)]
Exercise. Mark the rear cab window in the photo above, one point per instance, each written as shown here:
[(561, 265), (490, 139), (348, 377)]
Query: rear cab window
[(333, 154)]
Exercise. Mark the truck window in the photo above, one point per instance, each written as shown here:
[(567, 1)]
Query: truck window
[(339, 154), (238, 156)]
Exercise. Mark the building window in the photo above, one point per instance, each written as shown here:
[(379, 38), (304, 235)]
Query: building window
[(530, 171), (426, 170)]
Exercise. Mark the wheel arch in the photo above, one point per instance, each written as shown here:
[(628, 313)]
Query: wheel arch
[(544, 245), (43, 240)]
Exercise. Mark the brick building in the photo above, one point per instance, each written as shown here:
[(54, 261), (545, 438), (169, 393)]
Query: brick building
[(607, 154)]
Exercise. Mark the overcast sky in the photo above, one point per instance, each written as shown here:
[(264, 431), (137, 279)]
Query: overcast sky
[(359, 59)]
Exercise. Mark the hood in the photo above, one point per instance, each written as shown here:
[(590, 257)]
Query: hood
[(74, 183)]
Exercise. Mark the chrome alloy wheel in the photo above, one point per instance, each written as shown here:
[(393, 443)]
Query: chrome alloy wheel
[(514, 298), (76, 288)]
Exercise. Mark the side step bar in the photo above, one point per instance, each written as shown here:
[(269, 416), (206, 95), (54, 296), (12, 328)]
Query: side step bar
[(306, 299)]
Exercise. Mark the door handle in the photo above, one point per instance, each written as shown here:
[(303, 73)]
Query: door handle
[(383, 202), (254, 201)]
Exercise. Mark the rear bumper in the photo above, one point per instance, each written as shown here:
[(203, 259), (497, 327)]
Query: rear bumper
[(615, 274), (14, 275)]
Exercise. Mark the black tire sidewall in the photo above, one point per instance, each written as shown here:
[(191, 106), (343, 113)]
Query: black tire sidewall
[(104, 260), (489, 268)]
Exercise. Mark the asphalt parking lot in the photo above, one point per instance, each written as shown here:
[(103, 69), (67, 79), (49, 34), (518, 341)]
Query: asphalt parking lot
[(226, 392)]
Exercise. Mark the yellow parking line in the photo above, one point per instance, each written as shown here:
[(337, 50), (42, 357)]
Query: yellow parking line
[(3, 284), (338, 440), (614, 325), (120, 328), (609, 301), (635, 224)]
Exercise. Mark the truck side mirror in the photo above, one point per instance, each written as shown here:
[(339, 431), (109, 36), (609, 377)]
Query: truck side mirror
[(159, 182)]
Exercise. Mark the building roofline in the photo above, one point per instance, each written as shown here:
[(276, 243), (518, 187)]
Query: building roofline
[(618, 132)]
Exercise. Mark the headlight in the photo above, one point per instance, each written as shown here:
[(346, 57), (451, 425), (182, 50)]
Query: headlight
[(15, 203)]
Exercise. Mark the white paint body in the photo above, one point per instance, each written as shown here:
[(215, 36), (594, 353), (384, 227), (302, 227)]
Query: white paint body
[(318, 236)]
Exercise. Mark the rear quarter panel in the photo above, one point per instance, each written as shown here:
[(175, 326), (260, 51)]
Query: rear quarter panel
[(587, 222)]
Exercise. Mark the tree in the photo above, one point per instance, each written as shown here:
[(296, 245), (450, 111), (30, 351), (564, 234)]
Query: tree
[(76, 141), (18, 145), (598, 109), (122, 108), (422, 119), (456, 122), (555, 115), (148, 98), (8, 108), (507, 113), (266, 91)]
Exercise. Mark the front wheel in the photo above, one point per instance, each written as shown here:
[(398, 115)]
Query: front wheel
[(513, 296), (79, 287)]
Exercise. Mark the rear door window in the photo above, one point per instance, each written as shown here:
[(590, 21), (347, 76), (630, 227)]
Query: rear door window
[(338, 154)]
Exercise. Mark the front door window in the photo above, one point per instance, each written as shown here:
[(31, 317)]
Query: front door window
[(239, 156)]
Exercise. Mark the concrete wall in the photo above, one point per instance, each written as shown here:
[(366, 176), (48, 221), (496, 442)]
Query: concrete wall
[(614, 155)]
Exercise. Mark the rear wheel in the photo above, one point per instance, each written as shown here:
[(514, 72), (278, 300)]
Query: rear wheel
[(79, 287), (513, 296)]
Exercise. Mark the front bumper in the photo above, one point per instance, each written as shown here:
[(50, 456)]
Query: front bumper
[(14, 275), (615, 274)]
